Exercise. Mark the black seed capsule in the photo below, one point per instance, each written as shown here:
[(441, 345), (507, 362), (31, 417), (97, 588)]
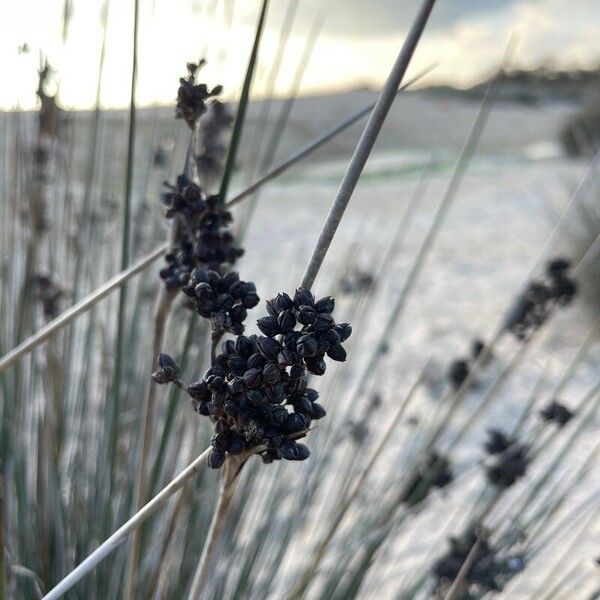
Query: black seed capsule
[(344, 330), (203, 291), (337, 353), (252, 378), (325, 305), (302, 452), (269, 326), (306, 315), (558, 266), (318, 411), (198, 391), (268, 347), (288, 450), (307, 346), (221, 441), (238, 314), (303, 405), (270, 374), (255, 397), (256, 361), (250, 300), (238, 364), (316, 365), (283, 302), (243, 346), (323, 322), (286, 321), (297, 372), (167, 370), (236, 385), (303, 297), (330, 338), (294, 423)]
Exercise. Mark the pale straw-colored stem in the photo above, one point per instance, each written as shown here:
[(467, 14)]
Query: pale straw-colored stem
[(300, 588), (365, 145), (163, 309), (119, 536), (229, 479), (79, 307)]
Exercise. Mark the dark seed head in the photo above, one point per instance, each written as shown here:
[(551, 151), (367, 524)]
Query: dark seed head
[(303, 297)]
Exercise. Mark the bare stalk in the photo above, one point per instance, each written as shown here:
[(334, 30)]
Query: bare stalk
[(78, 308), (163, 309), (365, 145), (231, 470), (300, 588), (119, 536)]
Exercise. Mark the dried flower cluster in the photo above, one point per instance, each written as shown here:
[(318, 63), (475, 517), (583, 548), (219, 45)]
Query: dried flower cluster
[(509, 463), (488, 573), (224, 300), (49, 293), (459, 368), (434, 472), (497, 442), (533, 307), (192, 97), (255, 381), (202, 237), (557, 413), (357, 281)]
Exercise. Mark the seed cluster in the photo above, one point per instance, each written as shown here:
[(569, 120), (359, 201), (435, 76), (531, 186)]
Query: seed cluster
[(224, 300), (256, 391), (434, 472), (497, 442), (459, 368), (488, 572), (509, 464), (49, 293), (357, 281), (557, 413), (533, 307), (202, 238), (192, 98)]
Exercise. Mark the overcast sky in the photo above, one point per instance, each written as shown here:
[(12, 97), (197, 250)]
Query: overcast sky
[(358, 43)]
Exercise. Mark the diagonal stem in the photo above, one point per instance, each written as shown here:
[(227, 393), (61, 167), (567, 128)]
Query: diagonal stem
[(365, 144), (229, 480)]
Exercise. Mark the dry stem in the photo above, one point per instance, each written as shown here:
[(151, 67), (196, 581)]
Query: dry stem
[(231, 470)]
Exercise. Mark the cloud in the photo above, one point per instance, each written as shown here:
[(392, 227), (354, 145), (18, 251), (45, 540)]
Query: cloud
[(360, 19)]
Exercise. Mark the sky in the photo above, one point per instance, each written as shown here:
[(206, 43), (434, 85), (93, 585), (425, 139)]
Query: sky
[(356, 46)]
